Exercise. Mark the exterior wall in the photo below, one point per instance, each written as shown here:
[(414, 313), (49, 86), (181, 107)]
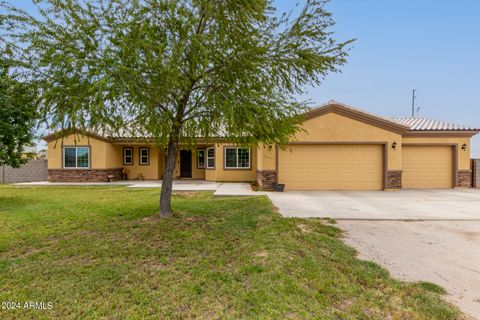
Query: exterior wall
[(230, 175), (103, 156), (266, 158), (393, 180), (329, 128), (33, 170), (82, 175), (97, 151), (197, 173), (464, 179), (267, 179), (332, 127), (152, 171), (266, 166)]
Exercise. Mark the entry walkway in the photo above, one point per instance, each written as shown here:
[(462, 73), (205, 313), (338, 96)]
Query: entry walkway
[(222, 189), (178, 185)]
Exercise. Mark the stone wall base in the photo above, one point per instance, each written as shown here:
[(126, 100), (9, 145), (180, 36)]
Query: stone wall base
[(393, 180), (266, 178), (83, 175), (464, 179)]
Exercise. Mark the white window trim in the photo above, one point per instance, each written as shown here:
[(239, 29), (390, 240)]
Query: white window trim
[(237, 167), (140, 156), (131, 156), (204, 158), (207, 158), (76, 157)]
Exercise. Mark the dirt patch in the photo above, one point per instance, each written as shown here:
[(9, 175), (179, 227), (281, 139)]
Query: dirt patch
[(262, 254), (304, 228), (186, 194), (153, 219)]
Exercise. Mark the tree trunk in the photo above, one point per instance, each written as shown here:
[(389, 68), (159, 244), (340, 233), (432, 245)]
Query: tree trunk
[(166, 193)]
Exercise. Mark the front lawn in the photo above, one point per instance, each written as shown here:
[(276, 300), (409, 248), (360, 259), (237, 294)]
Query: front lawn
[(102, 252)]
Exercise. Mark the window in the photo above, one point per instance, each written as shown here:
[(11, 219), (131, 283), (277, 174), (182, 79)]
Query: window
[(128, 156), (211, 158), (237, 158), (76, 157), (144, 156), (200, 158)]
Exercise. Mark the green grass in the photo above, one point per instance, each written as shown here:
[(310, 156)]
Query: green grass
[(103, 253)]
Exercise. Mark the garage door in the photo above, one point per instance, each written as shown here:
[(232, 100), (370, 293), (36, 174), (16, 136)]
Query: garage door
[(332, 167), (427, 166)]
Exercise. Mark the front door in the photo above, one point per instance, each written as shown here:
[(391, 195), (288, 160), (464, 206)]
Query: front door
[(185, 163)]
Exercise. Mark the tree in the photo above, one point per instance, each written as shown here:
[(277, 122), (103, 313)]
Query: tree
[(17, 118), (175, 69)]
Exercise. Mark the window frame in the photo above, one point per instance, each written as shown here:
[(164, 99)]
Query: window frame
[(133, 160), (76, 158), (237, 167), (207, 158), (204, 158), (140, 156)]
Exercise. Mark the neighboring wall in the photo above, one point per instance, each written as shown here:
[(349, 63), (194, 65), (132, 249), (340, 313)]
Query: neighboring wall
[(33, 170), (476, 173)]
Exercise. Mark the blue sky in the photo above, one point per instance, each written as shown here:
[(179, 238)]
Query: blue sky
[(430, 45)]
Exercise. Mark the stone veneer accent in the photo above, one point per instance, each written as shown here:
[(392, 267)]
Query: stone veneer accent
[(266, 178), (83, 175), (393, 179), (464, 179)]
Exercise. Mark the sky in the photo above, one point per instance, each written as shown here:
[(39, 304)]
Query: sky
[(428, 45)]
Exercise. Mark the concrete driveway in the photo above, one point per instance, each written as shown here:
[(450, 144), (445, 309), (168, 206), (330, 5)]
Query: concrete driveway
[(428, 235), (461, 204)]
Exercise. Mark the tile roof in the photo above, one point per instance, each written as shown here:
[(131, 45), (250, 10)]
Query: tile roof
[(426, 124)]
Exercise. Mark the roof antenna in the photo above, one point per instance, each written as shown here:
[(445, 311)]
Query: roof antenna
[(418, 110), (413, 102)]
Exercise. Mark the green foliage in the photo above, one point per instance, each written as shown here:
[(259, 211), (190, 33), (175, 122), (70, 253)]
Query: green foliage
[(432, 287), (17, 118), (174, 69)]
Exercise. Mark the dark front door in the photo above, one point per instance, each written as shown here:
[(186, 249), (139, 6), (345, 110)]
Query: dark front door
[(185, 163)]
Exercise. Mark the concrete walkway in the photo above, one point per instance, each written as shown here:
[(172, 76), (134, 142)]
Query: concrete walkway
[(222, 189), (178, 185)]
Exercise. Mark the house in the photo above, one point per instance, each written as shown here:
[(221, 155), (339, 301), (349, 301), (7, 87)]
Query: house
[(340, 148)]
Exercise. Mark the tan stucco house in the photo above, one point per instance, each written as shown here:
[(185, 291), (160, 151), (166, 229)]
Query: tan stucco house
[(339, 148)]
